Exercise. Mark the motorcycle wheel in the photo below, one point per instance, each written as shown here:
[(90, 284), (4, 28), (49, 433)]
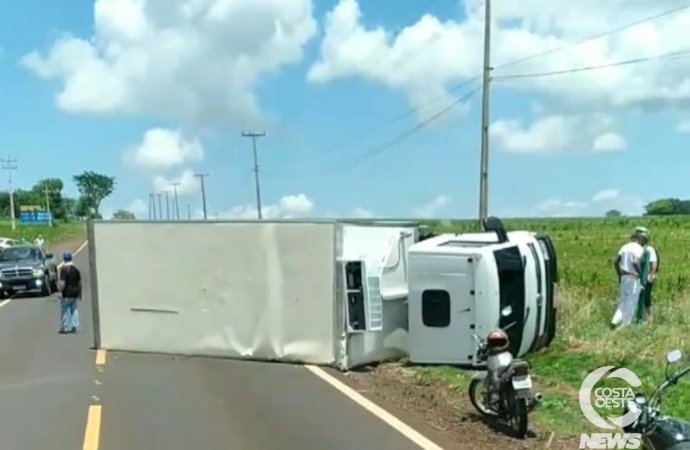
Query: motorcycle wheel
[(516, 409), (477, 399)]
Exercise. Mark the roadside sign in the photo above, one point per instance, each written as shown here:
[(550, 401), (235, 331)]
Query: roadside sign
[(34, 215)]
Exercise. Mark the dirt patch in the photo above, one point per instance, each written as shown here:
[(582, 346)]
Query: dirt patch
[(446, 407)]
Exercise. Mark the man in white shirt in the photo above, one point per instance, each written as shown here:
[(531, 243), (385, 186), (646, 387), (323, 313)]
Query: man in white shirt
[(628, 268)]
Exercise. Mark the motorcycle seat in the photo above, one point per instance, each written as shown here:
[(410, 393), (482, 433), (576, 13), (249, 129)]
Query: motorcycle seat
[(519, 365)]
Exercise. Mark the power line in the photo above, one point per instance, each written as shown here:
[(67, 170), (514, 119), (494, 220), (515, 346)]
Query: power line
[(403, 136), (595, 36), (670, 55), (359, 136), (257, 184)]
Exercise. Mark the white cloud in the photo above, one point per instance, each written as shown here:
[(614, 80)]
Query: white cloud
[(433, 208), (426, 58), (683, 127), (597, 205), (197, 60), (557, 133), (548, 134), (288, 207), (162, 149), (139, 208), (188, 183), (609, 142)]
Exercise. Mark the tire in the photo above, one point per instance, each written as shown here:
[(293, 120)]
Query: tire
[(45, 287), (516, 408), (474, 393)]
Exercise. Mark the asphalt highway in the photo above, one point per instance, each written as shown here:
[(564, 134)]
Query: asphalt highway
[(57, 393)]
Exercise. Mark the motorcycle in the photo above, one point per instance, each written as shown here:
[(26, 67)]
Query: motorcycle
[(506, 382), (658, 431)]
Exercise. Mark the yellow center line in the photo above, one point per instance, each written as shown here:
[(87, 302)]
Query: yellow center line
[(100, 357), (92, 433)]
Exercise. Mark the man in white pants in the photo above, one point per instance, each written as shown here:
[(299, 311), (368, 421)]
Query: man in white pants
[(628, 268)]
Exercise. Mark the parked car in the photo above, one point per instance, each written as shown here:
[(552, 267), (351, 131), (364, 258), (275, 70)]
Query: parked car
[(6, 242), (27, 268)]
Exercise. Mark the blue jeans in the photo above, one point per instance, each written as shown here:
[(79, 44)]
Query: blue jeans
[(69, 314)]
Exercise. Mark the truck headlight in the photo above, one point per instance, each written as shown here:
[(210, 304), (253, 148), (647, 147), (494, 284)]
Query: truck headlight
[(38, 273)]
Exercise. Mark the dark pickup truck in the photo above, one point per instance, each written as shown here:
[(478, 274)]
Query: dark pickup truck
[(27, 269)]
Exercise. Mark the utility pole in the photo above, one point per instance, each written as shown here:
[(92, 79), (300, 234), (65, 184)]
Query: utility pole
[(50, 215), (167, 204), (486, 80), (177, 203), (152, 206), (189, 211), (160, 206), (201, 177), (257, 184), (10, 164)]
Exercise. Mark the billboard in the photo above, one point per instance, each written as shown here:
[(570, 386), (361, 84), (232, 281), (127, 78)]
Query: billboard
[(34, 215)]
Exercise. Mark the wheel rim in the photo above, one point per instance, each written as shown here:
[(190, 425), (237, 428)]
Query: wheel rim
[(479, 396)]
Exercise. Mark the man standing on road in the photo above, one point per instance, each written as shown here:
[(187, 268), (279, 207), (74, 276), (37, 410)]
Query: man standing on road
[(627, 266), (40, 241), (70, 289)]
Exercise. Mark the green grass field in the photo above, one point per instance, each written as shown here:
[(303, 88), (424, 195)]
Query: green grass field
[(587, 299), (59, 233)]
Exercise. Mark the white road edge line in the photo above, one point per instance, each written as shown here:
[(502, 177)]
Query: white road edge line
[(395, 423), (81, 247)]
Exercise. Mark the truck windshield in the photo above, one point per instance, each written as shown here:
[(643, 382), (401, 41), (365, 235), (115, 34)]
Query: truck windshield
[(20, 253)]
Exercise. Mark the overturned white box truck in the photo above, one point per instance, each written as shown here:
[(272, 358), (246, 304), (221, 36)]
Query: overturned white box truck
[(324, 292)]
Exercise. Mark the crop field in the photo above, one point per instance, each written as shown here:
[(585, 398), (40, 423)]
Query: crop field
[(587, 300)]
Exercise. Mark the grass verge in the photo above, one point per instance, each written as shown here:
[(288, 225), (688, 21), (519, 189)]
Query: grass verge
[(584, 343), (58, 233)]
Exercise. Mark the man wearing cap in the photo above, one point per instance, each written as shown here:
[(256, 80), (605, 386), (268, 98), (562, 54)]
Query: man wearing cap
[(70, 289), (627, 265)]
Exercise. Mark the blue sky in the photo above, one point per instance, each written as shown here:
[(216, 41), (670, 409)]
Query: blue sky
[(364, 82)]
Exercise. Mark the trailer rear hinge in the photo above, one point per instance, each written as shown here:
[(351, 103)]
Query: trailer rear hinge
[(469, 260), (469, 357), (472, 326), (472, 292)]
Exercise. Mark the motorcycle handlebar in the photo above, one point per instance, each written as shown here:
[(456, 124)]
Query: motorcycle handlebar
[(670, 381)]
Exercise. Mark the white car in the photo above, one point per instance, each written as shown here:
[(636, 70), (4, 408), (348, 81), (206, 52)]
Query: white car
[(6, 242)]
